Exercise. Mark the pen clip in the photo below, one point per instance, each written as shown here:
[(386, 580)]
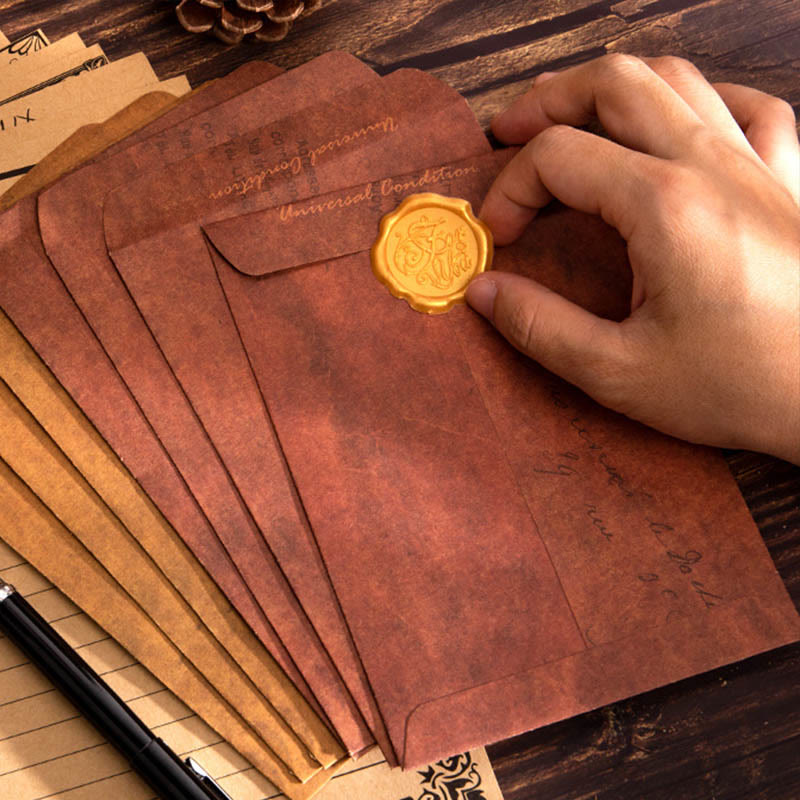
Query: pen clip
[(207, 781)]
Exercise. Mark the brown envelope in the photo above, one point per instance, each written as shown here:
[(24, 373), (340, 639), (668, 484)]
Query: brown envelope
[(35, 533), (37, 390), (507, 553), (404, 108), (95, 285), (36, 387), (36, 459), (59, 333)]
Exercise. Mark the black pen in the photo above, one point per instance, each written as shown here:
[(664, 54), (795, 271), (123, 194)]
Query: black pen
[(171, 778)]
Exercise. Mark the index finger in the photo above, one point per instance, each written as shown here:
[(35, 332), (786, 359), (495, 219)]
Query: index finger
[(636, 106), (582, 170)]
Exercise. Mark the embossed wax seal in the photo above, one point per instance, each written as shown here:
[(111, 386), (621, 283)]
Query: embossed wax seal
[(429, 249)]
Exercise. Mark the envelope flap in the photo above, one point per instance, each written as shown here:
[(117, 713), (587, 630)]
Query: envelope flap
[(598, 675), (341, 222), (404, 119)]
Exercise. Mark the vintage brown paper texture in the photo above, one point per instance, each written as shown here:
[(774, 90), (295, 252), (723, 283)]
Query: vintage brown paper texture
[(450, 481), (3, 39), (34, 457), (95, 285), (31, 530), (24, 46), (34, 384), (46, 68), (324, 746), (32, 126), (141, 450), (87, 142), (47, 748), (184, 621), (401, 107), (38, 391)]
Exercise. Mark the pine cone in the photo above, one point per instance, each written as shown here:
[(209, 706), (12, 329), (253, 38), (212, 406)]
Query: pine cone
[(232, 20)]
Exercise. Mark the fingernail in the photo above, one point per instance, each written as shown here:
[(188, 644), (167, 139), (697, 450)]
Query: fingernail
[(481, 294)]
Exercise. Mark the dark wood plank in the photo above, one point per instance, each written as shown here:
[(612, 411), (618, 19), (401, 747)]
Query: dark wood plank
[(730, 734)]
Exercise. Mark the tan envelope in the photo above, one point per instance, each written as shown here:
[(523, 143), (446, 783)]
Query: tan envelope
[(33, 531), (73, 432), (30, 452)]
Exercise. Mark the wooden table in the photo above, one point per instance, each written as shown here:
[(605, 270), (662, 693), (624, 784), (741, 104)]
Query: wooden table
[(732, 733)]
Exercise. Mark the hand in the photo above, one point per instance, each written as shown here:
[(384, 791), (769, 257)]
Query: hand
[(702, 182)]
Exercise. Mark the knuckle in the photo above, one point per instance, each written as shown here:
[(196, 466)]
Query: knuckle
[(550, 139), (779, 110), (675, 66), (616, 65), (521, 326), (670, 181)]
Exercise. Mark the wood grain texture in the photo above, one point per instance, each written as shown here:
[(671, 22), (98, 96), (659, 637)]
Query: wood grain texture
[(730, 734)]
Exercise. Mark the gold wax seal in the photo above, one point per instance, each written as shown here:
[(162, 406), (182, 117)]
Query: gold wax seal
[(429, 249)]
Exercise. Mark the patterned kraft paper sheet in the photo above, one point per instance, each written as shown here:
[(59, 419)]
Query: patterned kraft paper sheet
[(47, 749), (26, 45)]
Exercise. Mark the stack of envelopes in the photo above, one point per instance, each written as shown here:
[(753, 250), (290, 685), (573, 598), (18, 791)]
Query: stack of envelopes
[(48, 90), (429, 542)]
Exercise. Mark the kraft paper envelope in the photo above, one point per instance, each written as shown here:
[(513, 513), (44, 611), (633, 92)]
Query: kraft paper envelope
[(32, 126), (405, 107), (34, 457), (507, 552), (47, 748), (60, 335), (36, 389), (94, 284), (137, 450), (31, 529)]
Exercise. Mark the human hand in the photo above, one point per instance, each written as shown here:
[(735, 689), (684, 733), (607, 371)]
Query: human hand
[(703, 183)]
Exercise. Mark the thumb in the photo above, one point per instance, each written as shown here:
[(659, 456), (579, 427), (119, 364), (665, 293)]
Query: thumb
[(582, 348)]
